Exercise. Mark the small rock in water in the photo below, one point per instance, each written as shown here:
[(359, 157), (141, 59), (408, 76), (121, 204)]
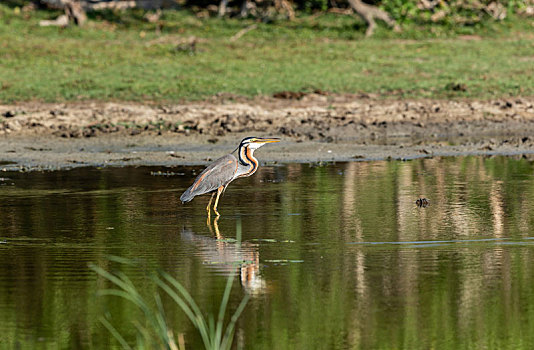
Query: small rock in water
[(422, 202)]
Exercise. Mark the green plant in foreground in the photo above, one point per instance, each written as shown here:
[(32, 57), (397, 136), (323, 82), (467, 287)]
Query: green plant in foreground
[(157, 333)]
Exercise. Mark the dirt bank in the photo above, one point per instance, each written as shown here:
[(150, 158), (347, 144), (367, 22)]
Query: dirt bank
[(314, 127)]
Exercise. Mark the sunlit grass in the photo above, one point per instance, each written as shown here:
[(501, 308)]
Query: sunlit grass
[(123, 58), (155, 333)]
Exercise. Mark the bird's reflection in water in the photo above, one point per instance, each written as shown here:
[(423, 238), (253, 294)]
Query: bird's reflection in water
[(228, 255)]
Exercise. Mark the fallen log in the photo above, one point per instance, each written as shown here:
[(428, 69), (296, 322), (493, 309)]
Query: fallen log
[(369, 13), (74, 12)]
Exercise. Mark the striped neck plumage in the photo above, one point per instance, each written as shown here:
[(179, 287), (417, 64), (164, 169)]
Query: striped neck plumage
[(247, 159), (242, 155)]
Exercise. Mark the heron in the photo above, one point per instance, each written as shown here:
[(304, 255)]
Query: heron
[(218, 175)]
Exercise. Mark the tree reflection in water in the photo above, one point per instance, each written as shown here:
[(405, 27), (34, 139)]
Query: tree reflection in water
[(336, 257)]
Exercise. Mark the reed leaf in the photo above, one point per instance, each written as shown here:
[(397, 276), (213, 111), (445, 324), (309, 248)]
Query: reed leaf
[(215, 335)]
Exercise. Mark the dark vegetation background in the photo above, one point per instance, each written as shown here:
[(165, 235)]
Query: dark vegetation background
[(466, 12)]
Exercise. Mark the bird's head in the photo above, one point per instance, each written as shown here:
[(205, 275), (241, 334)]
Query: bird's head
[(256, 142)]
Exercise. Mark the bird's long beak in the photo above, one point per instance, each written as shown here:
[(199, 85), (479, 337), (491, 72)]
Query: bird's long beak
[(267, 140)]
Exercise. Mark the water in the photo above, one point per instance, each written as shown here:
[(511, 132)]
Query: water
[(334, 257)]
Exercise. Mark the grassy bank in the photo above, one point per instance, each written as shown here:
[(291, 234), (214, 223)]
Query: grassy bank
[(125, 58)]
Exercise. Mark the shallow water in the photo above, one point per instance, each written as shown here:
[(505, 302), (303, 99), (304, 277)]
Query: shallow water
[(334, 257)]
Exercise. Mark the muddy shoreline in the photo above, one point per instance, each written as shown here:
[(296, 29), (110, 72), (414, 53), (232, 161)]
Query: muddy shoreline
[(313, 127)]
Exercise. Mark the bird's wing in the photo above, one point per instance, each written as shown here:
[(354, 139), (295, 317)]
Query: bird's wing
[(217, 174)]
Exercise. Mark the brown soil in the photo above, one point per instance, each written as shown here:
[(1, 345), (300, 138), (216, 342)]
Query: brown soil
[(314, 127)]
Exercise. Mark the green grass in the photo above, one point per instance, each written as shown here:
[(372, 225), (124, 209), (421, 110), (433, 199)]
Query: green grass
[(154, 331), (123, 58)]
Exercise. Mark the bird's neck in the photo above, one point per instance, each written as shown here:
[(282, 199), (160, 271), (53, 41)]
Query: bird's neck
[(248, 163)]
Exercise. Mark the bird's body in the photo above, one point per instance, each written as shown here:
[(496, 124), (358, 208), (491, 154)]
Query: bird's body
[(226, 169)]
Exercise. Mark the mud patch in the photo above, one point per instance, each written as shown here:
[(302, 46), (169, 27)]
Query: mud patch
[(307, 117), (314, 127)]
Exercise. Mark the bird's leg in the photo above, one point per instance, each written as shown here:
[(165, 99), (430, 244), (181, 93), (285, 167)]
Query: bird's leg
[(208, 223), (209, 204), (216, 226), (219, 191), (208, 220)]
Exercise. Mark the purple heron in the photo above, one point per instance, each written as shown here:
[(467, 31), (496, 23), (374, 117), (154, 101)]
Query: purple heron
[(226, 169)]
